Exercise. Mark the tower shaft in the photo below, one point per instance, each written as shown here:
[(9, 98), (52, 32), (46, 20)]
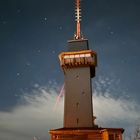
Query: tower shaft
[(78, 100), (79, 67)]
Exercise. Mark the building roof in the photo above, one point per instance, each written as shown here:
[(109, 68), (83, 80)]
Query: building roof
[(88, 129)]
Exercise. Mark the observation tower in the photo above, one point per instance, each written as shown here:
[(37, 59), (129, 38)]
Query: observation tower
[(78, 65)]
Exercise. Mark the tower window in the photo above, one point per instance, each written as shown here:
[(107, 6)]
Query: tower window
[(114, 137), (117, 137), (77, 104), (77, 76), (111, 137), (77, 121), (83, 93)]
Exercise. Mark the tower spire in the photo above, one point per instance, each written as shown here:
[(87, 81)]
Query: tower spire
[(78, 19)]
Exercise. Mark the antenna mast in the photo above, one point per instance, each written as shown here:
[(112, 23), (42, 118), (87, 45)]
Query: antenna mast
[(78, 19)]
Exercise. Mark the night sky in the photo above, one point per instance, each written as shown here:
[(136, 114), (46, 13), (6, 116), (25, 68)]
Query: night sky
[(34, 32)]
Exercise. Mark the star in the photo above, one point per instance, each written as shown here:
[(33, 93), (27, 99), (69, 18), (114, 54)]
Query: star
[(18, 74)]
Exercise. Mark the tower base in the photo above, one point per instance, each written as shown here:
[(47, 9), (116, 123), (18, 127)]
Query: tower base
[(87, 134)]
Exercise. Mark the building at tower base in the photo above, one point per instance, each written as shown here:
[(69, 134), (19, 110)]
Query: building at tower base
[(87, 134)]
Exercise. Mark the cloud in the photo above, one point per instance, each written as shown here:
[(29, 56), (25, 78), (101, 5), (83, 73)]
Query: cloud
[(36, 113), (33, 117), (110, 110)]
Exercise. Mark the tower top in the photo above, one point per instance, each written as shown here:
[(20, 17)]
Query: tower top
[(78, 19)]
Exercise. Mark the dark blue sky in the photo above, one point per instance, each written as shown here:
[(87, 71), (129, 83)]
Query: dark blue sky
[(34, 32)]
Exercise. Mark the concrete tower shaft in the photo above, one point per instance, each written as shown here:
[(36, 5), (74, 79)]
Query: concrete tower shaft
[(79, 67), (78, 110)]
